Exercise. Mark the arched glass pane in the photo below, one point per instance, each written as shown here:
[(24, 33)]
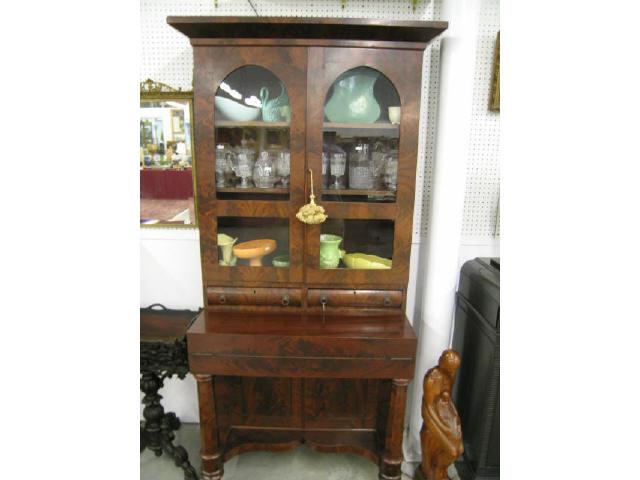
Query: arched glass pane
[(361, 132), (252, 116)]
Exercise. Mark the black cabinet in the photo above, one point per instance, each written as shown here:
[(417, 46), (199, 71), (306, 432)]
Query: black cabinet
[(476, 394)]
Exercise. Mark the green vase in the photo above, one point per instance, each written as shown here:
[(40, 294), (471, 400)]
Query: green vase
[(353, 100), (330, 254)]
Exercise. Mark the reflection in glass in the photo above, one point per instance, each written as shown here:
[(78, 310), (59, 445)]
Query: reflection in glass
[(166, 158), (253, 241), (356, 244)]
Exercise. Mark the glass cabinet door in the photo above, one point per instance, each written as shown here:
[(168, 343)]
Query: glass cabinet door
[(361, 145), (252, 173)]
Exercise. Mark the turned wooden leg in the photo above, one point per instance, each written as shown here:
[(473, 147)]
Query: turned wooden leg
[(392, 457), (212, 464)]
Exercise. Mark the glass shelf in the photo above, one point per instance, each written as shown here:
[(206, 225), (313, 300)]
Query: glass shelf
[(331, 126), (253, 190), (353, 192), (252, 123)]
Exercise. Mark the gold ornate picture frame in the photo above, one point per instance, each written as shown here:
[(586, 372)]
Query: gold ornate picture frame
[(494, 98), (153, 91)]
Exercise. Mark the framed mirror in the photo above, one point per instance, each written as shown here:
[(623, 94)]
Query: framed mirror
[(167, 163)]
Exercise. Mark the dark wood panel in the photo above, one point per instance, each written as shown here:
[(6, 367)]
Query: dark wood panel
[(300, 42), (258, 402), (301, 367), (164, 325), (340, 404), (301, 335), (354, 298), (307, 28), (281, 297), (253, 208), (356, 210)]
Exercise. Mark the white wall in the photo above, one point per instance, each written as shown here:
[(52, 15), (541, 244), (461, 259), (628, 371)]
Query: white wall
[(170, 259), (170, 275)]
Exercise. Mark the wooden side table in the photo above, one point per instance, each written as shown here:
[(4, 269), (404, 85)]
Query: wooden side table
[(163, 353)]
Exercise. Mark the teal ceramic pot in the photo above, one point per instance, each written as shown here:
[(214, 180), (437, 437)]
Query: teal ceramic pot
[(329, 251), (352, 100), (281, 261)]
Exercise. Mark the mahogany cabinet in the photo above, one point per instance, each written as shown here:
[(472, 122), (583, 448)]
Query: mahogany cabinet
[(301, 339)]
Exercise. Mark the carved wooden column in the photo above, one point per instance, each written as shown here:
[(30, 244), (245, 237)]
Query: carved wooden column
[(212, 462), (392, 457)]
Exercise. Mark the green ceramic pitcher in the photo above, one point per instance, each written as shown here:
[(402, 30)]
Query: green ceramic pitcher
[(353, 100), (330, 254)]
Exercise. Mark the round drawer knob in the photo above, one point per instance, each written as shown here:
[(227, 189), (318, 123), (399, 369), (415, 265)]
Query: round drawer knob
[(222, 299), (285, 300), (387, 301)]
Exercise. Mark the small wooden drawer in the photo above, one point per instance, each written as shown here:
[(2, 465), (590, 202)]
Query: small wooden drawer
[(269, 297), (355, 298)]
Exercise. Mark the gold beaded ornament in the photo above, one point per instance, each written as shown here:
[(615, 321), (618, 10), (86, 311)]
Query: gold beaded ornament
[(311, 214)]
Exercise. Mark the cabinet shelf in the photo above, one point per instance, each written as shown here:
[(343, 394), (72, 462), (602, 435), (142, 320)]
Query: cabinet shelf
[(360, 126), (252, 190), (252, 123), (386, 193)]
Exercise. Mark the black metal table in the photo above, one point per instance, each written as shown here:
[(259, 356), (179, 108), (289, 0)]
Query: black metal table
[(163, 353)]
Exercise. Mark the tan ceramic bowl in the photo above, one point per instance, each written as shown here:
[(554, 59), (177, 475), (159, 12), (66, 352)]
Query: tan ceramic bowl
[(254, 250)]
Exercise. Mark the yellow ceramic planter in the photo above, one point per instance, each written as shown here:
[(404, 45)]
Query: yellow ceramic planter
[(364, 261)]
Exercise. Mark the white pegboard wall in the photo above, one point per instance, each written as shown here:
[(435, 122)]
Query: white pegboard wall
[(166, 54), (480, 220), (167, 57)]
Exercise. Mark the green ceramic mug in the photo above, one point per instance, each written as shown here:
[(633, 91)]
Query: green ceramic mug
[(330, 254)]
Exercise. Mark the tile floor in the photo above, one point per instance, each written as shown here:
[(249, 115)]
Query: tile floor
[(299, 464)]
